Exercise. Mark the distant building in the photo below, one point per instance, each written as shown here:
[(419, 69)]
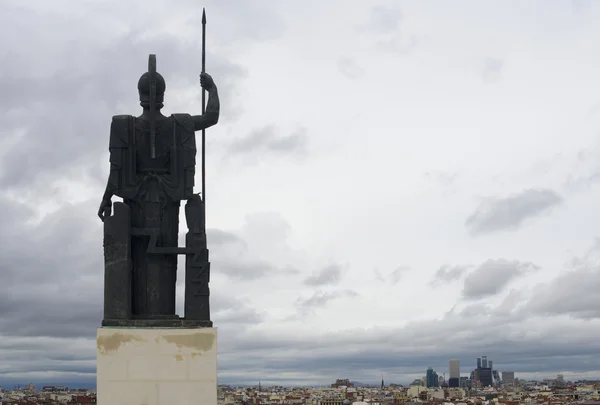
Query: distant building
[(454, 373), (431, 378), (508, 377), (484, 377), (483, 373), (54, 388), (342, 383), (82, 400), (331, 401)]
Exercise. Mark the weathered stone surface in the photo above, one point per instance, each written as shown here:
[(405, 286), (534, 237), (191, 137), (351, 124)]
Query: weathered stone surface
[(159, 366)]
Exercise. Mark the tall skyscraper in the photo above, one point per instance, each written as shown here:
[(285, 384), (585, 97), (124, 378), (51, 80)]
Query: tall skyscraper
[(454, 371), (431, 378), (483, 372), (484, 376)]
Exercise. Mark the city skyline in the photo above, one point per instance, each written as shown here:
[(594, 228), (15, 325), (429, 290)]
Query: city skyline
[(343, 392), (266, 384), (405, 380), (391, 184)]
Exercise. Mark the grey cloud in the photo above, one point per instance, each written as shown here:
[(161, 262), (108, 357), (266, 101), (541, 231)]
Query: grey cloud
[(492, 68), (392, 277), (511, 305), (585, 170), (51, 267), (320, 298), (80, 85), (384, 28), (576, 292), (244, 270), (579, 183), (399, 44), (447, 274), (238, 21), (383, 20), (220, 237), (476, 310), (363, 354), (580, 6), (258, 249), (494, 213), (329, 275), (349, 68), (490, 277), (396, 275), (442, 178), (238, 259), (53, 360), (230, 310), (267, 140)]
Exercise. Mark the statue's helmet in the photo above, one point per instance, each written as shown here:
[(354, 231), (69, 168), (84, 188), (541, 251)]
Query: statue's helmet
[(145, 84)]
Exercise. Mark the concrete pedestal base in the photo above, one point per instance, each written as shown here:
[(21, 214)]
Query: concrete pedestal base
[(156, 366)]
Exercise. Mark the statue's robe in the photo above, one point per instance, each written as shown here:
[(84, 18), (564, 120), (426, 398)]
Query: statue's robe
[(153, 189)]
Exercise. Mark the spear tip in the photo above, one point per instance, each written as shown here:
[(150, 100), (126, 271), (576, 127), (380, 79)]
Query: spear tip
[(203, 16)]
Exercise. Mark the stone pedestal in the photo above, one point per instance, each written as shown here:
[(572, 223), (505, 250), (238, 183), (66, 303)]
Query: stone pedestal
[(156, 366)]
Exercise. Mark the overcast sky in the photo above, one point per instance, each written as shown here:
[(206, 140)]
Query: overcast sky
[(391, 184)]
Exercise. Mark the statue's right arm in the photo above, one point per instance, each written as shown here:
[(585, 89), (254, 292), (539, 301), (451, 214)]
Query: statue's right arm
[(213, 109)]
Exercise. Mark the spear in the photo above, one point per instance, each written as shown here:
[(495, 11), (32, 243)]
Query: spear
[(203, 111)]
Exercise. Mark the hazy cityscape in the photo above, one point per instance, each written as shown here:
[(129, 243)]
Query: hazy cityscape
[(481, 385), (505, 388)]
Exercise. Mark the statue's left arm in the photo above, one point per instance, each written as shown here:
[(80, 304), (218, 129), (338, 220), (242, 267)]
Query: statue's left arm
[(213, 106)]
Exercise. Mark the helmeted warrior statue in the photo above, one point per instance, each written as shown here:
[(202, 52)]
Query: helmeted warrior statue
[(152, 168)]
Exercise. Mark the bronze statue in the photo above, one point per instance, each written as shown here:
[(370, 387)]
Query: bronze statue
[(152, 168)]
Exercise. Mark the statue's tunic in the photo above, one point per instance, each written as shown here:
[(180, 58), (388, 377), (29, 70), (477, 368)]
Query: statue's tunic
[(153, 189)]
